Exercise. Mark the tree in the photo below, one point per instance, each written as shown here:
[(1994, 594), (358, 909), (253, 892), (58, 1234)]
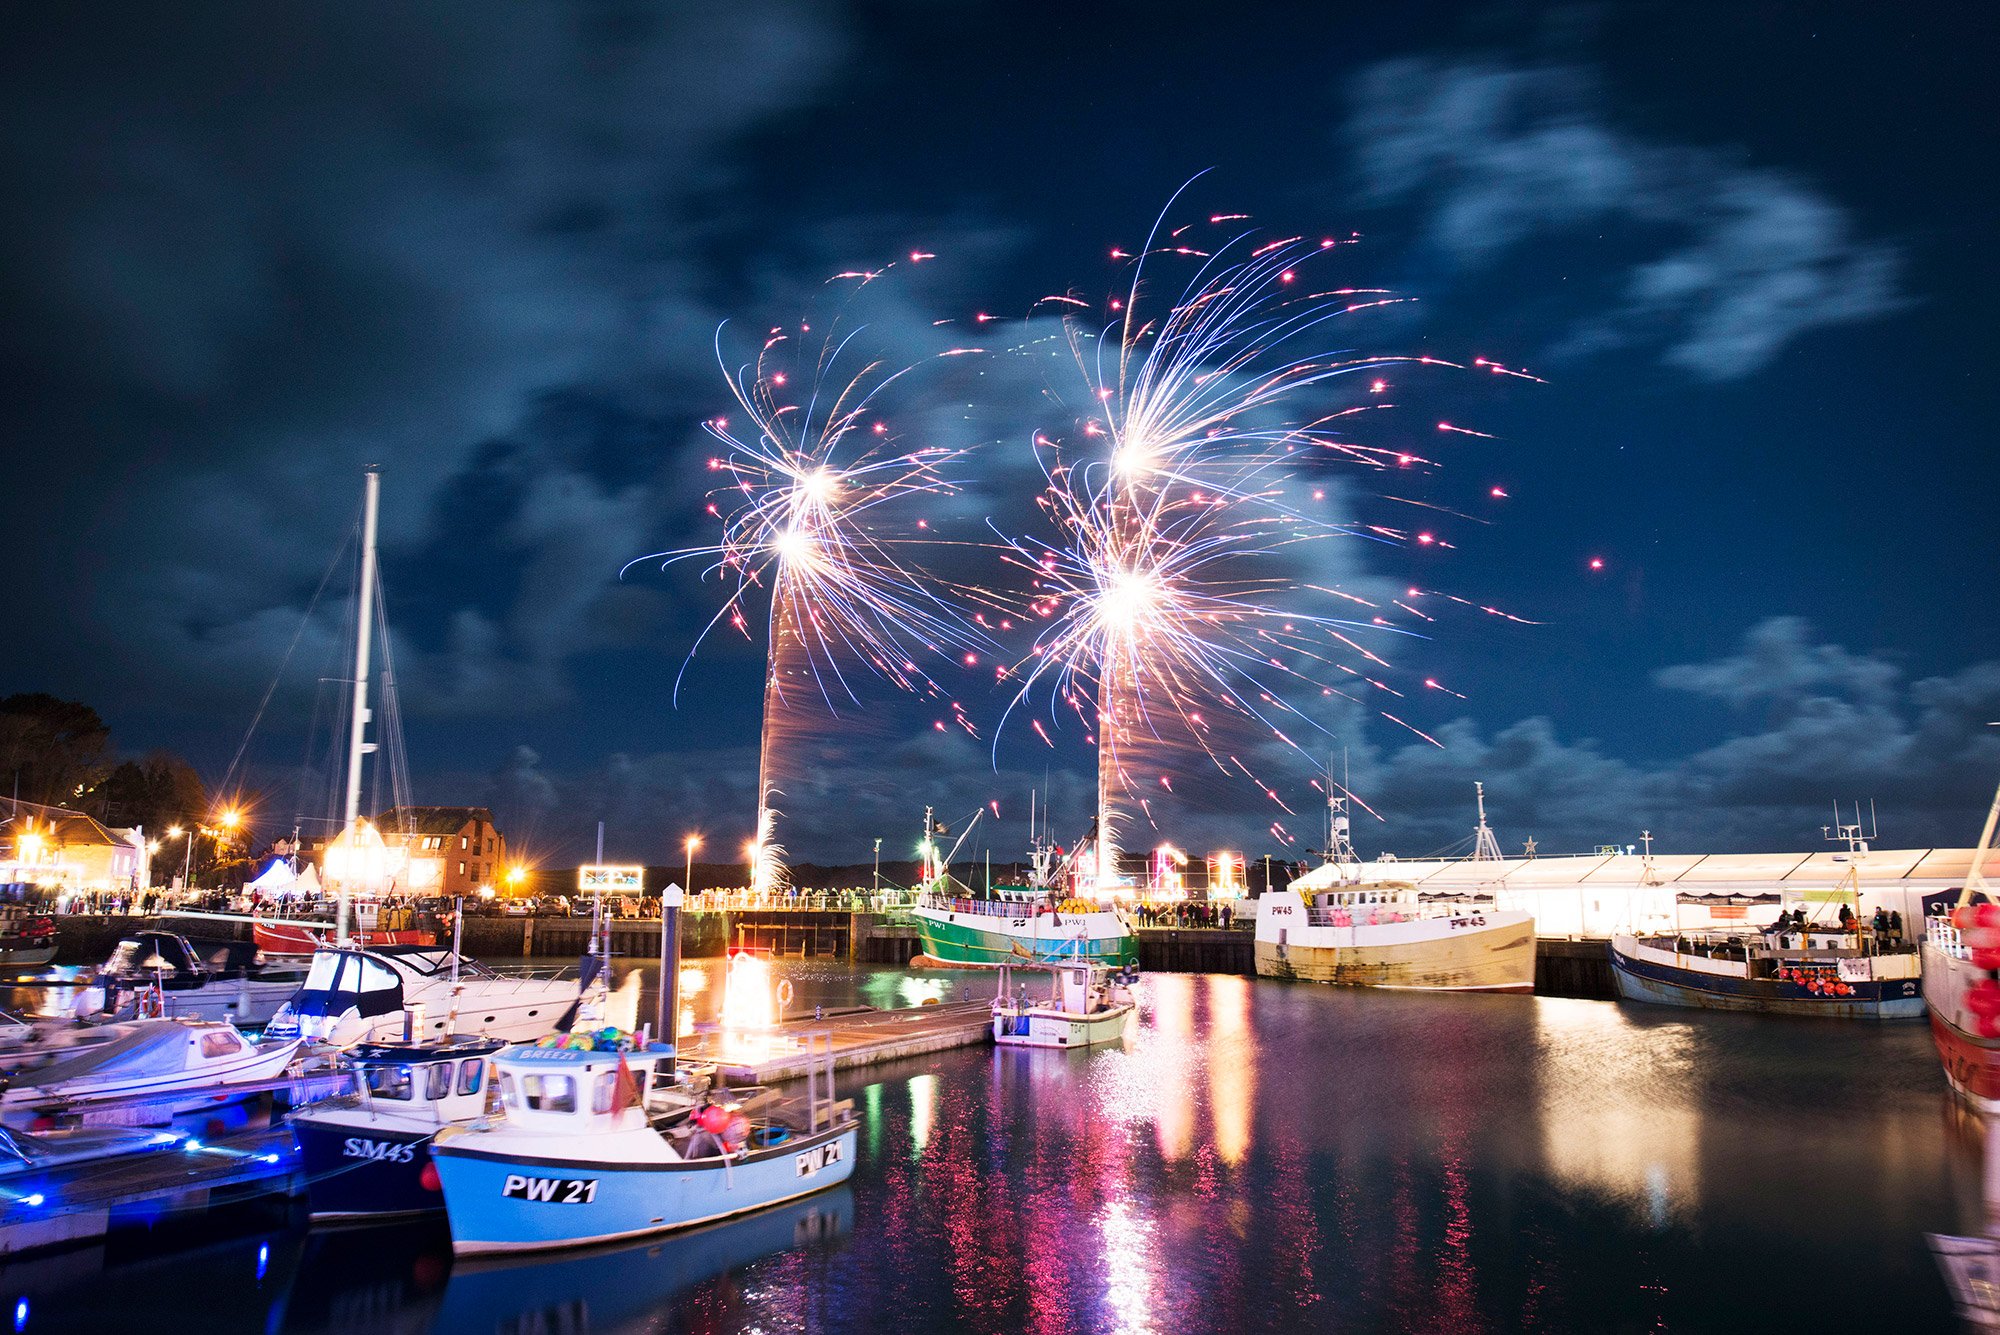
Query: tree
[(159, 791), (54, 749)]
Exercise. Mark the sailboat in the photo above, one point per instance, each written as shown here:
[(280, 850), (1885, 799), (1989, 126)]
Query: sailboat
[(362, 988)]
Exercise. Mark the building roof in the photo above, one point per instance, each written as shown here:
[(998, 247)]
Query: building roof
[(67, 828), (431, 820)]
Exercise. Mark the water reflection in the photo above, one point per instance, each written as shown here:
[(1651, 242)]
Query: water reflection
[(1254, 1155)]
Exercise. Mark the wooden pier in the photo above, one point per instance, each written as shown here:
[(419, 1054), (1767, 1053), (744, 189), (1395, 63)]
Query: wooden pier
[(861, 1037)]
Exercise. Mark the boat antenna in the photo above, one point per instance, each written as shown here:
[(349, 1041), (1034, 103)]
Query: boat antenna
[(1485, 848), (357, 743)]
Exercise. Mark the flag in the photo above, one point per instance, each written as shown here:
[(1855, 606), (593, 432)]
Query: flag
[(625, 1094)]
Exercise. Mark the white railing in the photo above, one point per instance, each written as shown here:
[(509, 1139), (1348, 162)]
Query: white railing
[(1945, 937)]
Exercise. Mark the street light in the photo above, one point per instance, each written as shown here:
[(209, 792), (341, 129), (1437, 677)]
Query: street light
[(693, 842)]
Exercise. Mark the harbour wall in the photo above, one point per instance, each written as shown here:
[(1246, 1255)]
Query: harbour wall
[(1564, 967)]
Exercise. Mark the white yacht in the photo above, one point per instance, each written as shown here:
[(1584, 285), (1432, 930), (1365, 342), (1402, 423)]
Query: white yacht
[(380, 994)]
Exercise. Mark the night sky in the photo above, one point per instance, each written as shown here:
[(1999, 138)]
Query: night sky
[(248, 250)]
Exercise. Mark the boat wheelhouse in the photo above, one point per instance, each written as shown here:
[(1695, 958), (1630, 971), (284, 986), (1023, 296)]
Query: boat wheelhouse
[(367, 1154)]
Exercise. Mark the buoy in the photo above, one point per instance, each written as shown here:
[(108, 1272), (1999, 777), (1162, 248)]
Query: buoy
[(428, 1179)]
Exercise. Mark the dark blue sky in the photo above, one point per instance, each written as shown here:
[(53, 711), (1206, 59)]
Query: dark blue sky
[(1751, 248)]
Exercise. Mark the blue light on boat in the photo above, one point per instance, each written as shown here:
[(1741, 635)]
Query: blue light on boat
[(193, 1144), (263, 1258), (21, 1314), (35, 1199)]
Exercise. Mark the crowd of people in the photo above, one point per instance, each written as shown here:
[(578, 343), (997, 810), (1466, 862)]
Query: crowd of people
[(1188, 914)]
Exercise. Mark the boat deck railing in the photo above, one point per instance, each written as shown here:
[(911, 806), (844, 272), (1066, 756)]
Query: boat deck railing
[(1945, 936), (991, 908), (1736, 944)]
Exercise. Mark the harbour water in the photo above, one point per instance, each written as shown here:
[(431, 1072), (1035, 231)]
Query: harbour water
[(1254, 1156)]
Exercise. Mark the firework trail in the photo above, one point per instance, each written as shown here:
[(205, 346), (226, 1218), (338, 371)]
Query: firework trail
[(808, 495), (1163, 593)]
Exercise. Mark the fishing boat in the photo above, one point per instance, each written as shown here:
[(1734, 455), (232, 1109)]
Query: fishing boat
[(298, 938), (154, 1057), (1837, 969), (961, 931), (599, 1145), (155, 974), (1386, 934), (1036, 921), (1961, 952), (367, 1154), (1089, 1005), (355, 995)]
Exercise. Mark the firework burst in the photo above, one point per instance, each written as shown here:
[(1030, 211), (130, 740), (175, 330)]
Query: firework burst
[(809, 496), (1165, 595)]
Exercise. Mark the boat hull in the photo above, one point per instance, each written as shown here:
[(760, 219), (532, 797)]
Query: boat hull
[(1663, 985), (291, 940), (966, 939), (1971, 1063), (361, 1171), (1059, 1029), (500, 1202), (1498, 956)]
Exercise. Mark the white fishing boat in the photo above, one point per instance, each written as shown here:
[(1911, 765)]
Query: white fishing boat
[(600, 1145), (376, 995), (1384, 934), (1089, 1004), (154, 1057), (1330, 926)]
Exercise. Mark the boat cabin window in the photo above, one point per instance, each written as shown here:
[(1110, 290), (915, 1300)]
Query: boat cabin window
[(437, 1080), (376, 976), (390, 1082), (549, 1093), (319, 978), (507, 1096), (220, 1044), (470, 1072)]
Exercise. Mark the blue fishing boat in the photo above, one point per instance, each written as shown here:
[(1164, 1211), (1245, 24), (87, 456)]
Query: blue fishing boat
[(368, 1154), (598, 1145)]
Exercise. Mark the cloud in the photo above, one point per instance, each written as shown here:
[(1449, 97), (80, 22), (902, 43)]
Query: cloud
[(1741, 261), (1850, 728), (249, 251)]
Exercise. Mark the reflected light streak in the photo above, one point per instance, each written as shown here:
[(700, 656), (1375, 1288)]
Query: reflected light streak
[(1130, 1266), (1617, 1118), (923, 1111), (1167, 1052), (1232, 1065)]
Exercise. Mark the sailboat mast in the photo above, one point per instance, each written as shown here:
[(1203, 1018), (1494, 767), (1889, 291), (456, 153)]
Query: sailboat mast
[(357, 745)]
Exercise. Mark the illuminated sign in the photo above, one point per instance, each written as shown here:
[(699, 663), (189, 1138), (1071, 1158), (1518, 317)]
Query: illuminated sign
[(610, 878)]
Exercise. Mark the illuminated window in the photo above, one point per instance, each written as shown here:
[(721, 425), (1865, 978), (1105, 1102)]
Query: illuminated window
[(461, 869)]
